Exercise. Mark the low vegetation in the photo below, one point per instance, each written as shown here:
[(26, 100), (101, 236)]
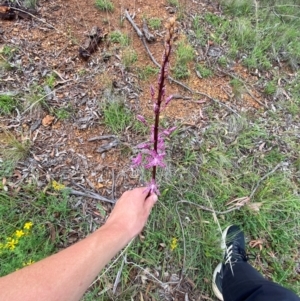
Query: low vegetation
[(105, 5)]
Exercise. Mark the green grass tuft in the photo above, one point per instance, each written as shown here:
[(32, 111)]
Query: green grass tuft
[(14, 149), (146, 72), (116, 116), (184, 54), (7, 104), (129, 58), (154, 23), (105, 5), (120, 38), (204, 71)]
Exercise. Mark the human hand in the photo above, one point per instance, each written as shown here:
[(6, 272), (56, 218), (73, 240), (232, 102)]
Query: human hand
[(131, 211)]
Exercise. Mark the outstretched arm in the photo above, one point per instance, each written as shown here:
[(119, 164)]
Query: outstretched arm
[(67, 274)]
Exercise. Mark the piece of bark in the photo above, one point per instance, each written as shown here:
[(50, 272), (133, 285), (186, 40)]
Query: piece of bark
[(91, 43), (129, 18), (108, 146), (149, 36), (105, 137)]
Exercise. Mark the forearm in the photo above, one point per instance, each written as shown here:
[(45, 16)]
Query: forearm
[(67, 274)]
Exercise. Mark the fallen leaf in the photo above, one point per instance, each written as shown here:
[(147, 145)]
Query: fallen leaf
[(272, 255), (254, 206), (238, 202), (256, 243), (99, 185), (36, 158), (48, 120)]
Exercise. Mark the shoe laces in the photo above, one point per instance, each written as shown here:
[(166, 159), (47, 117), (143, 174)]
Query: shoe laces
[(235, 253)]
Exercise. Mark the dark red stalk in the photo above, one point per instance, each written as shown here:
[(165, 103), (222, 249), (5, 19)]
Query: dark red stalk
[(161, 88)]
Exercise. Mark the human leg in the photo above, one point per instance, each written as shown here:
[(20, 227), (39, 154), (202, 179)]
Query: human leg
[(236, 280)]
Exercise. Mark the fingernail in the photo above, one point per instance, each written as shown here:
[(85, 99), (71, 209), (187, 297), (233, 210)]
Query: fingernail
[(154, 198)]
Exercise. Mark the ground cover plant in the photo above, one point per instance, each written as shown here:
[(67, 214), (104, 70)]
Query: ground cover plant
[(105, 5), (234, 158), (26, 220)]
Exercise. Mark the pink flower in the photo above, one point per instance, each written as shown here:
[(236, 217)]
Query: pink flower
[(168, 100), (137, 160), (155, 108), (169, 131), (161, 147), (155, 159), (144, 145), (152, 188), (152, 91), (141, 119)]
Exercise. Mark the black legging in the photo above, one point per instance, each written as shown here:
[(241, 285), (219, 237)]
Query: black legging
[(247, 284)]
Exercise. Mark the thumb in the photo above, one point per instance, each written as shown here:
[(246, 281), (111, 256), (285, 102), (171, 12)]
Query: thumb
[(150, 201)]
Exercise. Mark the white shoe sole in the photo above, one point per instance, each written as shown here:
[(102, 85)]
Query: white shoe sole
[(219, 266), (214, 286)]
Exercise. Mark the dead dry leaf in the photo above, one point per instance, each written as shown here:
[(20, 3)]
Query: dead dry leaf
[(255, 207), (238, 202), (257, 243), (47, 120)]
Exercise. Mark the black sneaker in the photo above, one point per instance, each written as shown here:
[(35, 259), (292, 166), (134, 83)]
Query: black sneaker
[(233, 245)]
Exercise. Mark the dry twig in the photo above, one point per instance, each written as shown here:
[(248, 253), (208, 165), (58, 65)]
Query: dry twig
[(92, 195), (246, 87)]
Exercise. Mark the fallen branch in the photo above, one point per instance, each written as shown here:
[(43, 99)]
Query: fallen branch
[(92, 195), (171, 79), (254, 98), (245, 85), (108, 146), (209, 209), (148, 35), (138, 31), (101, 138), (218, 102), (178, 96), (39, 19)]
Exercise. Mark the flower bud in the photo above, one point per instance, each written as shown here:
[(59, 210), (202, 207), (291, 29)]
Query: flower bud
[(141, 119)]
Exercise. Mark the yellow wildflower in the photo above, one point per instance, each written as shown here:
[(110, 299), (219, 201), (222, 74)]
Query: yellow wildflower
[(174, 243), (19, 233), (28, 263), (28, 225), (11, 243), (57, 186)]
